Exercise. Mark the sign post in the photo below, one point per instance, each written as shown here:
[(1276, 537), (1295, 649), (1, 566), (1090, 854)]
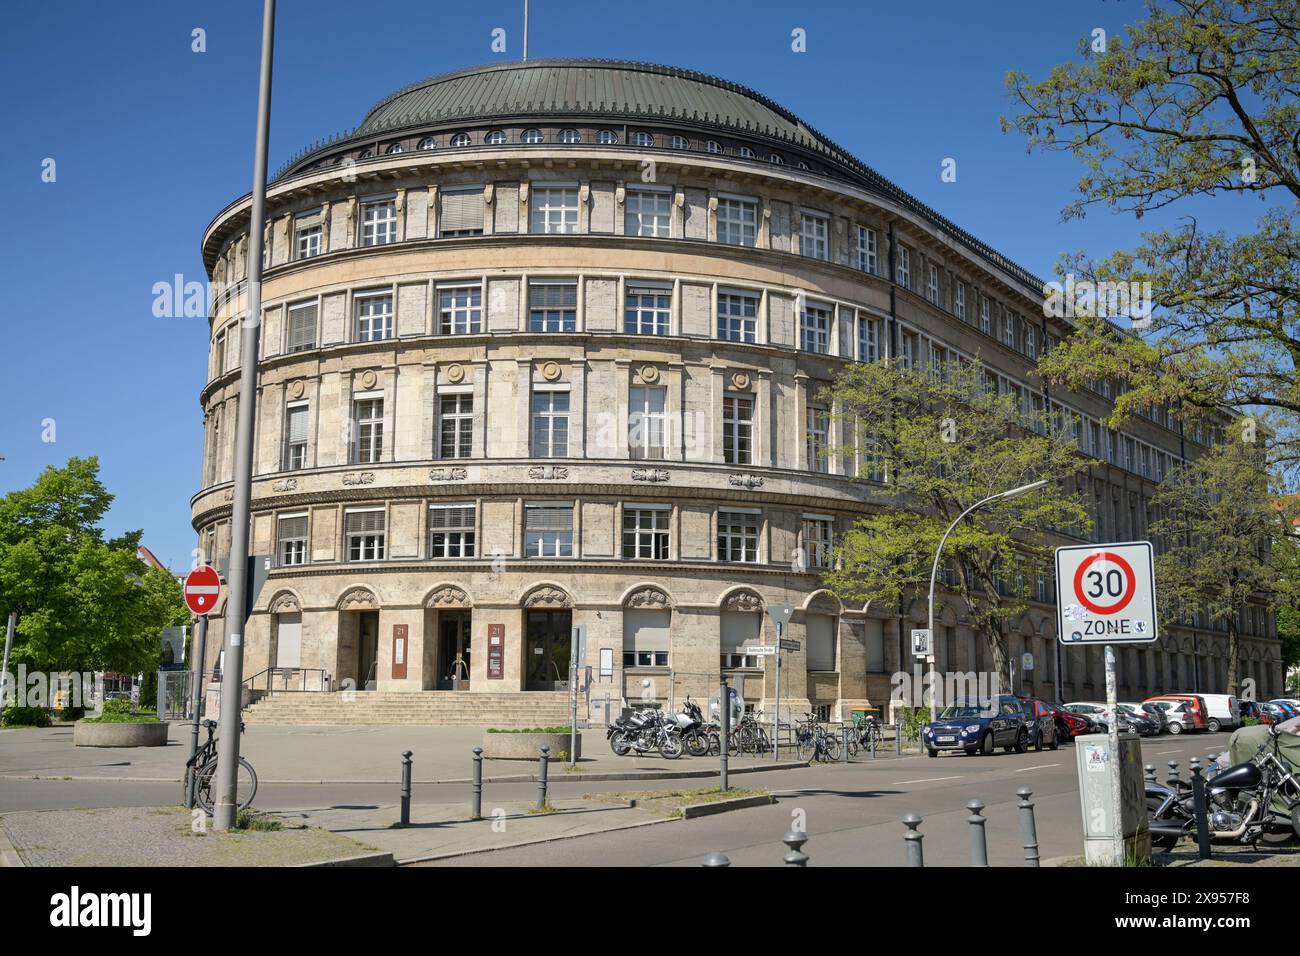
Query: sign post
[(780, 615), (577, 652), (202, 589), (1105, 594)]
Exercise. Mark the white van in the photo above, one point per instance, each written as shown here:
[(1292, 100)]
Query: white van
[(1220, 712)]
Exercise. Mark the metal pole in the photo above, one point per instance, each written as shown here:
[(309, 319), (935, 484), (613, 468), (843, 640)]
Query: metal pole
[(199, 654), (1116, 805), (912, 840), (1173, 781), (776, 718), (724, 716), (795, 840), (979, 847), (9, 645), (525, 30), (573, 708), (406, 788), (232, 675), (541, 777), (476, 789), (1027, 827), (1199, 809)]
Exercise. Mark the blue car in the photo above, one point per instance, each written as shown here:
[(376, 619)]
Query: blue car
[(980, 726)]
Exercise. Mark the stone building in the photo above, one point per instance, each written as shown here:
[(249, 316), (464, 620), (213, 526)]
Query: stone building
[(542, 345)]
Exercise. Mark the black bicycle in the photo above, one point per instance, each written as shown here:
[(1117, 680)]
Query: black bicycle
[(203, 768)]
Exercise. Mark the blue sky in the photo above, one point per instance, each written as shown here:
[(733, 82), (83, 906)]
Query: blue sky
[(151, 140)]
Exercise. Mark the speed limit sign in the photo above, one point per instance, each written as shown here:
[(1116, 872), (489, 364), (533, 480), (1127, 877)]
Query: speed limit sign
[(1105, 594)]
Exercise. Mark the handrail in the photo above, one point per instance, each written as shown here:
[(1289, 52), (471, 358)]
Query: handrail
[(299, 675)]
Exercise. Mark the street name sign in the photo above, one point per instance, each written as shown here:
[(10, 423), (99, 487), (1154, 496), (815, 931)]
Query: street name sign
[(1105, 594), (788, 645), (202, 588), (761, 650)]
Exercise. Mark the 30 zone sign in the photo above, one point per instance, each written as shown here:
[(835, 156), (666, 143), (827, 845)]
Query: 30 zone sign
[(1105, 594)]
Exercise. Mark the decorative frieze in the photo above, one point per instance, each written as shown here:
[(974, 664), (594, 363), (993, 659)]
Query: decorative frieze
[(649, 474), (447, 474), (746, 480), (285, 484), (548, 473), (359, 478)]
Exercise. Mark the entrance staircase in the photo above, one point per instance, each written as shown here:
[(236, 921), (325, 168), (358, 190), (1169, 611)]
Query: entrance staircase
[(429, 708)]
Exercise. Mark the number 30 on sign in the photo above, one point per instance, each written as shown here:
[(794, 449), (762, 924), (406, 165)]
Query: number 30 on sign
[(1105, 593)]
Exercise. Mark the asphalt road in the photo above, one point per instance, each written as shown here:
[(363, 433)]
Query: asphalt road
[(851, 813)]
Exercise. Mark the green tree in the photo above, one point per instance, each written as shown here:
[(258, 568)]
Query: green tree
[(1198, 99), (84, 602), (942, 442), (1217, 521)]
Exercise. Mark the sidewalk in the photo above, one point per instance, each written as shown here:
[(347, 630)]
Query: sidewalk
[(342, 755)]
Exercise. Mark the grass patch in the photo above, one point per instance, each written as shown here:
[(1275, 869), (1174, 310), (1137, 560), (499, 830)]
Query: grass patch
[(119, 712), (679, 798), (247, 820), (548, 808)]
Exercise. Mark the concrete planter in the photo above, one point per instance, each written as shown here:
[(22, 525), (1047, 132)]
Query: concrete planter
[(526, 746), (86, 734)]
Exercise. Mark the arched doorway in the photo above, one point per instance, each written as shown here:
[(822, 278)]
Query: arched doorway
[(548, 631)]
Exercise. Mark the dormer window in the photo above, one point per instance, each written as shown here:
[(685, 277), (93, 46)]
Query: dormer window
[(495, 138), (460, 139), (570, 136), (428, 143), (394, 149), (643, 139), (531, 136), (607, 137), (713, 146), (776, 160), (746, 153), (681, 142)]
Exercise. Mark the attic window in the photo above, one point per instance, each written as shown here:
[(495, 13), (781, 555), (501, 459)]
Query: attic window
[(570, 136), (713, 146), (681, 142), (531, 136), (607, 137), (460, 139), (643, 139), (428, 143), (394, 149), (495, 138), (746, 153)]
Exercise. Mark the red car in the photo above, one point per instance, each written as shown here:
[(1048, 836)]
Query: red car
[(1069, 725)]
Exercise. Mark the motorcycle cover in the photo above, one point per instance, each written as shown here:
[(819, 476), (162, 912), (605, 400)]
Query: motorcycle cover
[(1247, 741)]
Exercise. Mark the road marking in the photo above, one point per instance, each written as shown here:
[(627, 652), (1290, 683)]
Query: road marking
[(1041, 766), (899, 783), (1162, 752)]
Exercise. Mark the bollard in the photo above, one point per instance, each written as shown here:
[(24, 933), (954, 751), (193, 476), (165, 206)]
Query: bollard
[(1198, 806), (1150, 771), (794, 840), (979, 848), (716, 859), (541, 778), (912, 840), (844, 741), (1027, 826), (406, 788), (872, 738), (476, 788), (1173, 782), (724, 734), (898, 739)]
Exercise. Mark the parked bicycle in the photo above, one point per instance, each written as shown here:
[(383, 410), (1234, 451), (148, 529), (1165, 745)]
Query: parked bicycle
[(814, 742), (866, 728), (203, 768)]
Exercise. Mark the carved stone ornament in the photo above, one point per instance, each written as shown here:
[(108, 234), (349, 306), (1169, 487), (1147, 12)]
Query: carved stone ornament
[(743, 601), (746, 481), (648, 597), (297, 389), (229, 495), (448, 596), (358, 597), (285, 484), (548, 472), (447, 474), (740, 380), (649, 474), (368, 378), (359, 478), (547, 596), (649, 374), (455, 374), (284, 603), (550, 371)]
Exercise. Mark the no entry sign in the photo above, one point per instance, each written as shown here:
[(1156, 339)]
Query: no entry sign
[(202, 588), (1105, 594)]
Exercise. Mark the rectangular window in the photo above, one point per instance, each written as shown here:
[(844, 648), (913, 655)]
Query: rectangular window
[(460, 212), (737, 222), (868, 340), (378, 222), (374, 317), (552, 306), (986, 324), (553, 210), (648, 213), (291, 536), (867, 249), (645, 533), (817, 541), (816, 329), (647, 309), (1031, 342), (738, 536), (645, 422), (451, 531), (302, 327), (363, 531), (455, 425), (903, 268), (737, 317), (908, 343), (460, 310), (646, 637), (960, 303), (219, 353), (307, 235), (812, 236), (295, 436), (738, 429), (368, 426), (548, 531), (932, 284), (818, 439), (550, 424), (1009, 329)]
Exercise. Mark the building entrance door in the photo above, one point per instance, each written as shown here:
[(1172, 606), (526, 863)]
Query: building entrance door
[(367, 648), (453, 650), (546, 650)]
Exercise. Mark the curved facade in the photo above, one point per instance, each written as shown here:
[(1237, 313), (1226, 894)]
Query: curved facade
[(541, 347)]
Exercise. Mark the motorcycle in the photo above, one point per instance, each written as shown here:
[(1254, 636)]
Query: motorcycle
[(1247, 802), (690, 726), (645, 731)]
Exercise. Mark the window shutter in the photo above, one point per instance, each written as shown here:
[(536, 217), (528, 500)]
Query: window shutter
[(738, 629), (553, 295), (362, 522), (821, 642), (298, 424), (548, 518), (302, 327), (462, 210), (645, 630), (458, 518), (291, 528)]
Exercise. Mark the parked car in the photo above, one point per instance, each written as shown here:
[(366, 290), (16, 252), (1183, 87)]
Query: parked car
[(1153, 712), (1220, 712), (1042, 732), (1132, 720), (1288, 707), (1181, 713), (1069, 724), (1094, 711), (979, 726)]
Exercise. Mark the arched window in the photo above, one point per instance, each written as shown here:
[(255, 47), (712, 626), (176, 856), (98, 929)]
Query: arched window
[(681, 142), (460, 139), (570, 136), (607, 137), (495, 138), (642, 138), (531, 136), (776, 160), (746, 153), (365, 155), (713, 146), (394, 149), (428, 143)]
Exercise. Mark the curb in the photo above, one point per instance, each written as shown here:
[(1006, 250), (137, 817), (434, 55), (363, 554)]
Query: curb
[(511, 846), (8, 854), (363, 859), (722, 806)]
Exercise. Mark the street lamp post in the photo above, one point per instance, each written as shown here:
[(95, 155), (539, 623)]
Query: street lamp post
[(934, 573)]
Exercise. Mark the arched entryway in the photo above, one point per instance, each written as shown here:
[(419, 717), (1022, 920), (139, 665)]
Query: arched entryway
[(448, 615), (548, 631)]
